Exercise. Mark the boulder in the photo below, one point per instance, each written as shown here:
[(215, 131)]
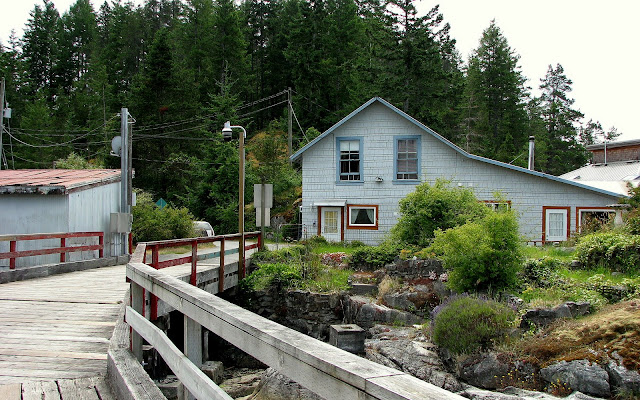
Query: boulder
[(484, 370), (622, 380), (241, 384), (542, 317), (361, 311), (275, 386), (512, 393), (579, 375), (407, 349)]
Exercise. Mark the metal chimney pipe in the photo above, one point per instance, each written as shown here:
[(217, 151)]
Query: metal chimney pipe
[(532, 147)]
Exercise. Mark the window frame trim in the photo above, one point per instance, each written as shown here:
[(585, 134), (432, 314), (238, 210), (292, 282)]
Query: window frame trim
[(361, 154), (395, 179), (544, 222), (369, 227), (579, 211)]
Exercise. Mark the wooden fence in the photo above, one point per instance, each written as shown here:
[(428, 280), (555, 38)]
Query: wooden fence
[(326, 370), (13, 240)]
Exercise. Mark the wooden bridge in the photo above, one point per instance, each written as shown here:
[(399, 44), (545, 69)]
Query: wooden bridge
[(64, 335)]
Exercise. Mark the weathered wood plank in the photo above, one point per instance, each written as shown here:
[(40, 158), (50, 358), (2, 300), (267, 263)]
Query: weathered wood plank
[(39, 390), (11, 392), (77, 389), (322, 368), (190, 375)]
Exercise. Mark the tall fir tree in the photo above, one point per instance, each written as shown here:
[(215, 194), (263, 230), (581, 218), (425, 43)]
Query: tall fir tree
[(494, 99), (563, 149)]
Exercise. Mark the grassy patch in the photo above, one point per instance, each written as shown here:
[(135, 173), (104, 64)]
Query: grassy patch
[(329, 280), (565, 254), (616, 329), (333, 248)]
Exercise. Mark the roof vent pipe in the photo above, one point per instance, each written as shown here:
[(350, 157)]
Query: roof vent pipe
[(532, 146)]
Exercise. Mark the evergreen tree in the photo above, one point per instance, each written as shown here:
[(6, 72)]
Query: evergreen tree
[(39, 50), (495, 99), (564, 152)]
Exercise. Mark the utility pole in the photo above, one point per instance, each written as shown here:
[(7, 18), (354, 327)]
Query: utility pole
[(1, 117), (290, 126), (124, 169)]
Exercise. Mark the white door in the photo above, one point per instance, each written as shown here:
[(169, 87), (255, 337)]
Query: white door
[(556, 225), (330, 225)]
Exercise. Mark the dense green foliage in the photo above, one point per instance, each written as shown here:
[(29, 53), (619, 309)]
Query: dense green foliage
[(432, 207), (279, 275), (151, 222), (374, 257), (184, 67), (615, 251), (295, 267), (482, 255), (467, 324)]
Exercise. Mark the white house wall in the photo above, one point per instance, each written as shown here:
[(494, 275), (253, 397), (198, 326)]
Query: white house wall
[(90, 211), (33, 214), (378, 125)]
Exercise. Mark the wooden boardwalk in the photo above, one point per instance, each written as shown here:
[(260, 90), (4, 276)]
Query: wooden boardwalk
[(54, 334)]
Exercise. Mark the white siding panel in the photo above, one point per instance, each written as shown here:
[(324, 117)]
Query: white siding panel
[(378, 125), (33, 214)]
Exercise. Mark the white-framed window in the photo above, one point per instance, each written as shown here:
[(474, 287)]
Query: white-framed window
[(593, 217), (556, 224), (407, 158), (498, 205), (349, 159), (362, 216)]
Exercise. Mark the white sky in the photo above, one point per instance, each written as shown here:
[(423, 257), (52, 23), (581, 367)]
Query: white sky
[(595, 42)]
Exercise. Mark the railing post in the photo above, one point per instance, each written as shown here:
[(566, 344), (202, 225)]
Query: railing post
[(192, 346), (63, 243), (137, 301), (241, 246), (194, 261), (101, 243), (260, 239), (155, 262), (221, 269), (130, 243), (12, 249)]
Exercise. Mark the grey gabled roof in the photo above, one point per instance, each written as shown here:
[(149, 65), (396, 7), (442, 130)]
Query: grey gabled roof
[(428, 130)]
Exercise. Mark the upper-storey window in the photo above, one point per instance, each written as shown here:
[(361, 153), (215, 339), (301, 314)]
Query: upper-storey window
[(407, 158), (350, 159)]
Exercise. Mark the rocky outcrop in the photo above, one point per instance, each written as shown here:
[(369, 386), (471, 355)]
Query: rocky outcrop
[(542, 317), (408, 350), (497, 370), (275, 386), (364, 313), (413, 269), (622, 380), (512, 393), (579, 375)]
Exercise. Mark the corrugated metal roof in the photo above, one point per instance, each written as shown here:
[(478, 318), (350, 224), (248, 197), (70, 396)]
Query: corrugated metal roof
[(615, 171), (54, 181)]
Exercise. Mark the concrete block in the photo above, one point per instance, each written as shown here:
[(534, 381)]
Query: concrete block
[(214, 370), (348, 337)]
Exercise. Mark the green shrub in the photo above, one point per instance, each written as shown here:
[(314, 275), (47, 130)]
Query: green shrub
[(541, 272), (151, 222), (481, 255), (466, 324), (290, 254), (430, 208), (374, 257), (281, 276), (614, 251)]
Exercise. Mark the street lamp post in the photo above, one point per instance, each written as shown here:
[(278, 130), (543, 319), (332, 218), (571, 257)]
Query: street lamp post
[(226, 134)]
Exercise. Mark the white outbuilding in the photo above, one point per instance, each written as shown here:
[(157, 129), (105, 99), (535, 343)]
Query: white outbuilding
[(59, 200)]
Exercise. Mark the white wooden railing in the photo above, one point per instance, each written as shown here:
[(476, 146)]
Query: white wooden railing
[(325, 370)]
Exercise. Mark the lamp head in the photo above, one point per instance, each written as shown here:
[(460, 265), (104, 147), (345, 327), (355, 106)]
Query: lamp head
[(227, 131)]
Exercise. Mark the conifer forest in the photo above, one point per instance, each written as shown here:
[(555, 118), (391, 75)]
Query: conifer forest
[(184, 67)]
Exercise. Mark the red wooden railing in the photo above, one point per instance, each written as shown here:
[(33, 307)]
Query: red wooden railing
[(62, 250), (143, 248)]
